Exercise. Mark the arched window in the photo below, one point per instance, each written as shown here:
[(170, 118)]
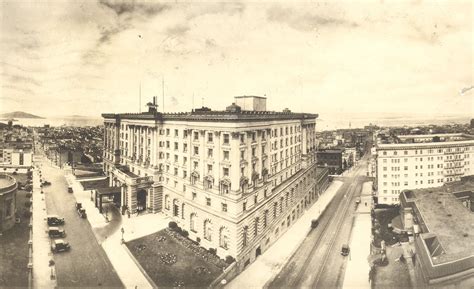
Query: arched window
[(175, 207), (192, 222), (224, 238), (208, 230), (167, 202)]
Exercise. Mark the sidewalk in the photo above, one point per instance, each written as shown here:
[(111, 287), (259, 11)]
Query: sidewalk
[(135, 227), (357, 270), (270, 263), (41, 244)]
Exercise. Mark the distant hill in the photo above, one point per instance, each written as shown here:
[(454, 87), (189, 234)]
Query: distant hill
[(19, 114)]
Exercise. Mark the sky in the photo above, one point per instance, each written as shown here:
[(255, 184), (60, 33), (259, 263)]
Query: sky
[(333, 58)]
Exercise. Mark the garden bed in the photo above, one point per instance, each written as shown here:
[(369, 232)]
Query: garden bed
[(381, 231), (172, 260)]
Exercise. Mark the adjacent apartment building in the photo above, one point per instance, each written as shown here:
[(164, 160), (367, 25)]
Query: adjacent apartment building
[(234, 179), (421, 161)]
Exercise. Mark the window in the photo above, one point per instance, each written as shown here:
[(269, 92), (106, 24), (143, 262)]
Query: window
[(196, 151), (223, 238), (185, 148), (185, 133), (167, 131), (224, 207), (176, 133), (245, 236), (226, 155), (225, 172), (194, 195), (242, 154), (255, 226), (175, 158), (209, 169), (167, 144), (210, 137), (209, 153), (175, 171), (176, 146), (226, 138), (192, 222), (244, 206), (185, 174), (196, 135)]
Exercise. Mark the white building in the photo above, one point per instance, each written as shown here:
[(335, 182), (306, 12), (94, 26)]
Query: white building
[(422, 161), (234, 179), (16, 158)]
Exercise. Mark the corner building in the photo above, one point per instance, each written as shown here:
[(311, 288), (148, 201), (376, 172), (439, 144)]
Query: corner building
[(234, 179)]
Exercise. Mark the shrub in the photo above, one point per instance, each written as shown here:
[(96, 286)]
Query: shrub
[(185, 233), (26, 214), (178, 230), (172, 225), (27, 204), (213, 251), (229, 259), (198, 240), (28, 195)]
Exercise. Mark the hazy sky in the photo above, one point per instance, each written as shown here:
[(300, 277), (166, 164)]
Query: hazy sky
[(88, 57)]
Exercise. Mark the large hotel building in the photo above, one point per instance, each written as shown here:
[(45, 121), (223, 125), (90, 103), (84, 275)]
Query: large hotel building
[(234, 179), (421, 161)]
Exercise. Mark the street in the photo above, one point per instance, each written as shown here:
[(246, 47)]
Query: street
[(318, 262), (86, 264)]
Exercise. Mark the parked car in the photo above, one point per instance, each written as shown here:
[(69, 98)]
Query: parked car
[(60, 245), (314, 223), (54, 220), (345, 250), (358, 200), (69, 190), (80, 210), (46, 183), (55, 232)]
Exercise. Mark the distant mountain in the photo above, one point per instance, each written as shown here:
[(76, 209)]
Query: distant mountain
[(19, 114)]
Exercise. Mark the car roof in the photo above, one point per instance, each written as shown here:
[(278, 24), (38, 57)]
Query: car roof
[(59, 241), (53, 228)]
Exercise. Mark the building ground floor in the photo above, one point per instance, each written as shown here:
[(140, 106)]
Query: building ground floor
[(244, 237)]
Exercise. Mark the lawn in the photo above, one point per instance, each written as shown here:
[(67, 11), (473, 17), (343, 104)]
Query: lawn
[(171, 264), (14, 245)]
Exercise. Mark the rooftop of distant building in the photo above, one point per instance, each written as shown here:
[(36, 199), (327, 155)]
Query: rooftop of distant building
[(426, 140)]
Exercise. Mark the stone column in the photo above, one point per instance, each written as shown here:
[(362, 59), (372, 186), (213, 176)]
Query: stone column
[(132, 198)]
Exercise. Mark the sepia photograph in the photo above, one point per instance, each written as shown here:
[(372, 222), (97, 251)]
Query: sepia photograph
[(236, 144)]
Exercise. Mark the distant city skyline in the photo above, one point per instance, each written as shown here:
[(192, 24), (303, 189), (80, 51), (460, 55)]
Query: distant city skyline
[(373, 58)]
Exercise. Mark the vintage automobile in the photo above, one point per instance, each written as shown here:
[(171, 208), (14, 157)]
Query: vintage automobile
[(69, 190), (55, 232), (54, 220), (80, 210), (345, 250), (60, 245), (314, 223), (46, 183)]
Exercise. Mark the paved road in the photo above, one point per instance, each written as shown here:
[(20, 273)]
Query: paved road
[(318, 263), (86, 265)]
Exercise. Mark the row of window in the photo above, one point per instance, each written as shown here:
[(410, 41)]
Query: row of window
[(430, 151)]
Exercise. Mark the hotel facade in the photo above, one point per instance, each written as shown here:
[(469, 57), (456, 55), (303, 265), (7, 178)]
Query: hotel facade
[(234, 179), (421, 161)]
